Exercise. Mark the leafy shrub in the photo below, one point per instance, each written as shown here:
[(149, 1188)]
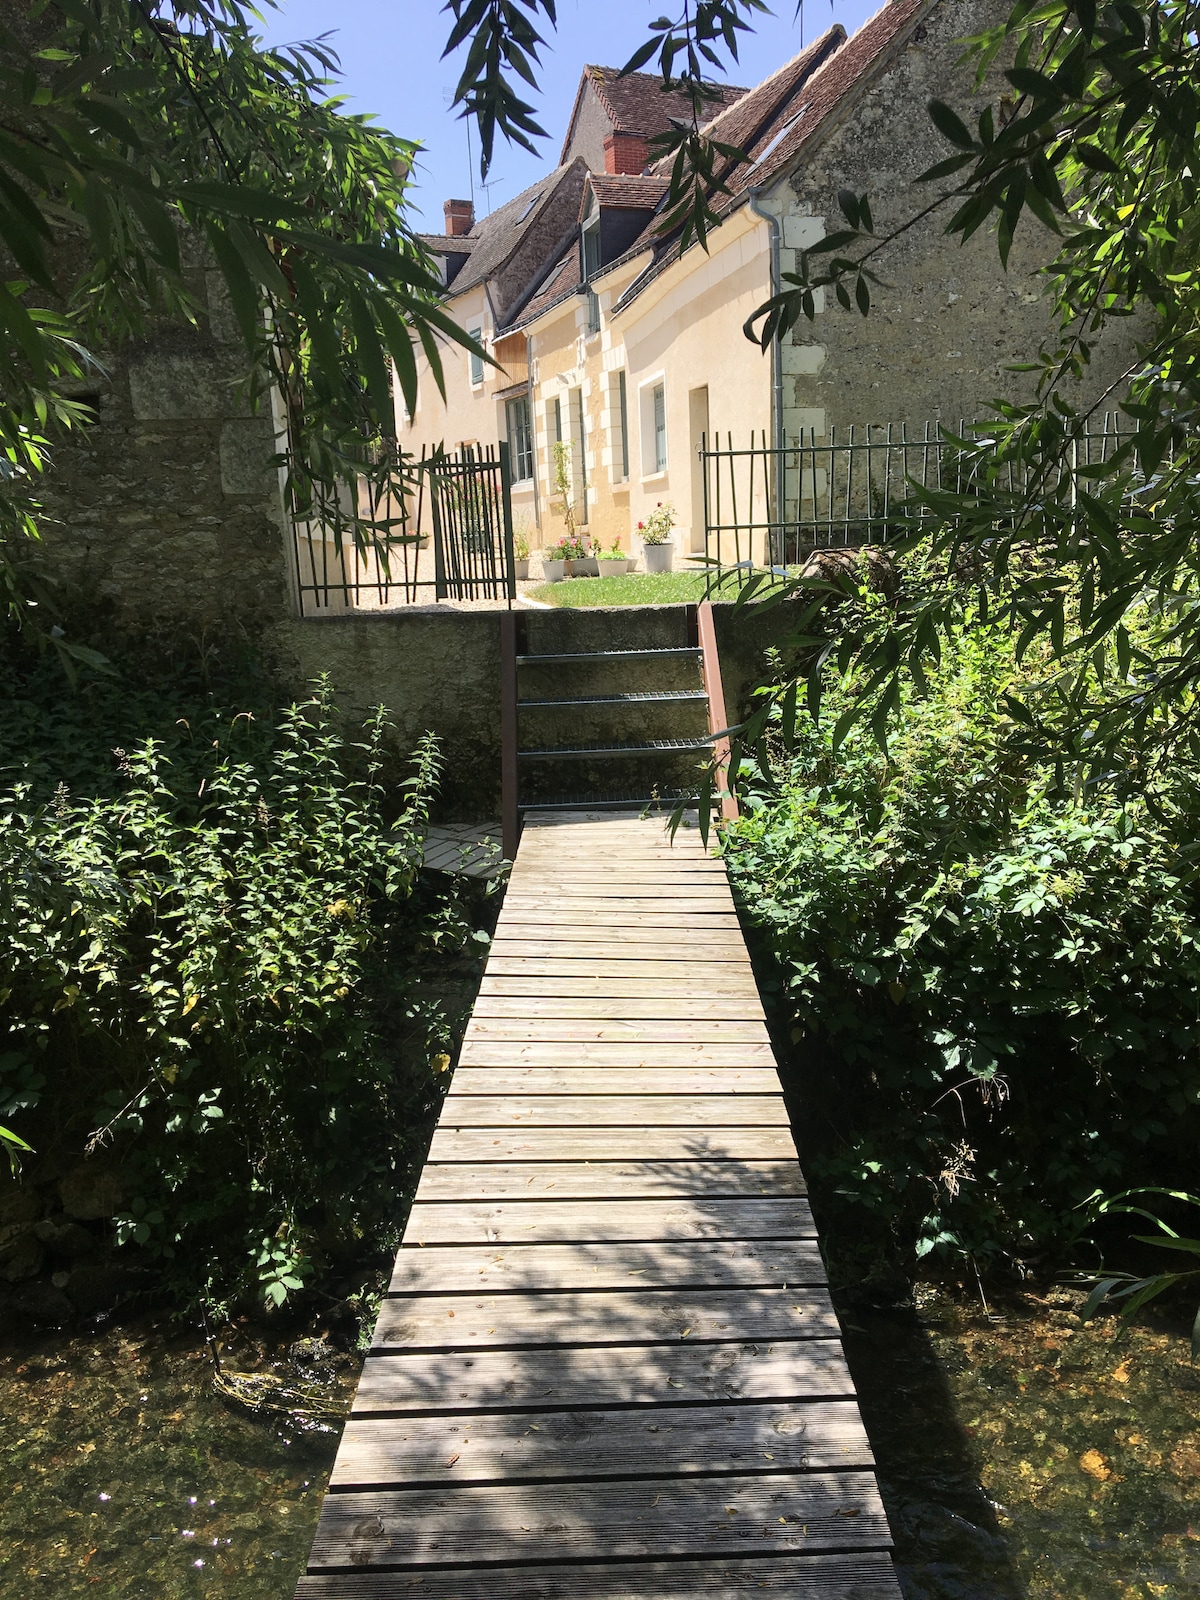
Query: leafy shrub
[(210, 968), (989, 981)]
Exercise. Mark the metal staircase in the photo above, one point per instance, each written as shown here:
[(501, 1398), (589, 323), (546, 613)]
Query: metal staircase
[(610, 729)]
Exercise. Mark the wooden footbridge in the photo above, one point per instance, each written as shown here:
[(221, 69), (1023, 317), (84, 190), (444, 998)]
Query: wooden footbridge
[(607, 1366)]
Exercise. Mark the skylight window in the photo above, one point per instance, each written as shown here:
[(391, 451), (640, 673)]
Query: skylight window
[(781, 135), (527, 210)]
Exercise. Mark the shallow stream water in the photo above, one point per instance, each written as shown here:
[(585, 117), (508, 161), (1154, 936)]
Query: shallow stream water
[(1022, 1455)]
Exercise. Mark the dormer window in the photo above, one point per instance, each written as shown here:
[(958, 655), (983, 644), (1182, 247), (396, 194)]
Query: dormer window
[(590, 249)]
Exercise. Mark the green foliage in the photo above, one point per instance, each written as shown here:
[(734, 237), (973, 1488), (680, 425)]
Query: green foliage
[(138, 140), (631, 589), (1093, 136), (1131, 1291), (211, 960), (989, 978)]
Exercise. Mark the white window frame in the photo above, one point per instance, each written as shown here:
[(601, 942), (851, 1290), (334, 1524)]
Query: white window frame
[(653, 464), (475, 362)]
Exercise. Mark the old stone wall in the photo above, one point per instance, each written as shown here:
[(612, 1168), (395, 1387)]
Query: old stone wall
[(165, 511), (947, 322)]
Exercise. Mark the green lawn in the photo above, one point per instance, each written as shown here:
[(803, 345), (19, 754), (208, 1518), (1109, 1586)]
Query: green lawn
[(634, 589)]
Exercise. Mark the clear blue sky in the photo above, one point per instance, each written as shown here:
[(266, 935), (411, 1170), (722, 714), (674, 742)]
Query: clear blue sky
[(391, 52)]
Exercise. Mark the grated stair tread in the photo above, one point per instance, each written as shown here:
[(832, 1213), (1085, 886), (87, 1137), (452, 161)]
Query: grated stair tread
[(606, 800), (631, 747), (655, 695), (689, 651)]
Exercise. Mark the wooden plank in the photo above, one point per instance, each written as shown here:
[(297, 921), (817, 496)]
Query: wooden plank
[(614, 1111), (868, 1576), (600, 957), (663, 1264), (658, 1517), (601, 1375), (641, 927), (666, 1003), (649, 1080), (454, 1145), (468, 1321), (615, 1029), (545, 1221), (709, 942), (567, 895), (485, 1052), (413, 1452), (612, 1179), (550, 900), (576, 979)]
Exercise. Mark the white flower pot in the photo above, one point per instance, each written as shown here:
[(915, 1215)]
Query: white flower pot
[(554, 571), (521, 568), (613, 569), (658, 557), (585, 567)]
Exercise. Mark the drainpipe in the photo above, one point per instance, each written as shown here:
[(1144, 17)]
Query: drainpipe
[(778, 435)]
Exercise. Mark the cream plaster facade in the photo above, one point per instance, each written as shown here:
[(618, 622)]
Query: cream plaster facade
[(683, 331)]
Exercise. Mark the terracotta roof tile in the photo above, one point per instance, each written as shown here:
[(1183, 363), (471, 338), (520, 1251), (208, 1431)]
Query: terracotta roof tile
[(449, 244), (549, 208), (831, 86), (795, 104), (637, 104), (626, 191), (559, 283)]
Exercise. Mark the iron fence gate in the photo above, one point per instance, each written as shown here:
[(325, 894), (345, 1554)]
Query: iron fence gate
[(447, 535), (769, 507)]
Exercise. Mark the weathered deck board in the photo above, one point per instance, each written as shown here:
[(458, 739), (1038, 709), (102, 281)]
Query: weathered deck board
[(607, 1366), (834, 1577), (619, 1111), (660, 1264), (579, 1222), (602, 1375)]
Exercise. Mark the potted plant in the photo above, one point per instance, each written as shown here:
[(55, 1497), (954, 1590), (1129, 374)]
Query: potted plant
[(521, 549), (658, 552), (554, 562), (612, 563), (575, 551)]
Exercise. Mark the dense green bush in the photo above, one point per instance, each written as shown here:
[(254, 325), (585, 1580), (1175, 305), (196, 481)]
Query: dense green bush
[(211, 953), (989, 981)]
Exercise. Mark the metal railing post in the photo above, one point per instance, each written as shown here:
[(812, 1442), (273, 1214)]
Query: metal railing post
[(510, 815)]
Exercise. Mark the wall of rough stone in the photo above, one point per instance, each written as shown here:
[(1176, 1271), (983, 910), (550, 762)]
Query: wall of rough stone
[(948, 321), (166, 510)]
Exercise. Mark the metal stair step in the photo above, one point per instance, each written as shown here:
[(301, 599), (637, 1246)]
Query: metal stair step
[(630, 748), (657, 695), (692, 651), (607, 801)]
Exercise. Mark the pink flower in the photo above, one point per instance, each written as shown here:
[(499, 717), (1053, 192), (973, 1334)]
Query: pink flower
[(641, 524)]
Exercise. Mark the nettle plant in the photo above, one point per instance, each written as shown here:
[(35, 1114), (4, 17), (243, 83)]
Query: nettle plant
[(202, 978), (988, 971)]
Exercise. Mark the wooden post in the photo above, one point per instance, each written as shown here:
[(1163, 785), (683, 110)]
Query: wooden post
[(717, 720), (509, 775)]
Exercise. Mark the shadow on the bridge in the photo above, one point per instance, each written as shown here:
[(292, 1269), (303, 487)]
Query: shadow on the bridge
[(671, 1435)]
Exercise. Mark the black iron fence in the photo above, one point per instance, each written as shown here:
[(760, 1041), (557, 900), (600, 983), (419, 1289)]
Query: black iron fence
[(442, 530), (771, 507)]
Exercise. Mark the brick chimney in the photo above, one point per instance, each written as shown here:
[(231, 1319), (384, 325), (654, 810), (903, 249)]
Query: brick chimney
[(626, 152), (460, 217)]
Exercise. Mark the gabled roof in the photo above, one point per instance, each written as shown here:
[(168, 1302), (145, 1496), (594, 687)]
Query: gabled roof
[(449, 244), (560, 283), (509, 248), (625, 191), (778, 121), (636, 104), (840, 79)]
